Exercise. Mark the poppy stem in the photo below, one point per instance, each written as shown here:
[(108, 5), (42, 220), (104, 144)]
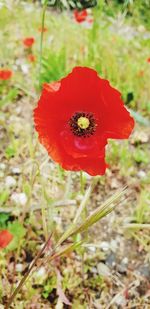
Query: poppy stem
[(41, 39), (68, 185), (85, 199), (82, 182)]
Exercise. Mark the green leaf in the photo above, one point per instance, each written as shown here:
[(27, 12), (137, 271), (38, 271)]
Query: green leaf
[(3, 219), (140, 156), (18, 232), (11, 95), (10, 152), (3, 197)]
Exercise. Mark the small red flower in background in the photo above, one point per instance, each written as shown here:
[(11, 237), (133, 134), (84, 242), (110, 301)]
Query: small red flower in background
[(148, 59), (44, 29), (80, 16), (5, 74), (76, 116), (31, 58), (28, 42), (5, 238), (85, 17)]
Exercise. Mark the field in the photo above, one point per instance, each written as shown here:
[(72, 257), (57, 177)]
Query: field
[(107, 264)]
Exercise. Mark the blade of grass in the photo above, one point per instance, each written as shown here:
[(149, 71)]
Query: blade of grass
[(96, 215), (66, 249), (137, 226)]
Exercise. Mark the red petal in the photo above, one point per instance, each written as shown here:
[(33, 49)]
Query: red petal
[(5, 74), (117, 122), (5, 238), (81, 91), (80, 16), (79, 147), (93, 166)]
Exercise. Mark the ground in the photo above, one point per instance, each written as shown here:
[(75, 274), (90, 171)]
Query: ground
[(111, 269)]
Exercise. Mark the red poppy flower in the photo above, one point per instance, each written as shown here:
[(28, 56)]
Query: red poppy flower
[(31, 58), (5, 74), (5, 238), (28, 42), (75, 117), (148, 60), (80, 16)]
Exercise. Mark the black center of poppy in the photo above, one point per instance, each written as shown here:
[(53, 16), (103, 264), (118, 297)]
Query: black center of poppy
[(82, 124)]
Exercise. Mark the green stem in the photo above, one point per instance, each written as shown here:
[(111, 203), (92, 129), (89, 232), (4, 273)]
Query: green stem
[(44, 222), (82, 182), (68, 186), (85, 199), (41, 39)]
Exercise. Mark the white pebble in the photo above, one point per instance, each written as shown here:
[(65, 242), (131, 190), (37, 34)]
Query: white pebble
[(141, 174), (113, 245), (92, 248), (10, 181), (120, 300), (15, 170), (57, 219), (25, 68), (105, 246), (41, 272), (19, 267), (103, 270), (19, 198), (40, 275), (125, 260), (2, 166)]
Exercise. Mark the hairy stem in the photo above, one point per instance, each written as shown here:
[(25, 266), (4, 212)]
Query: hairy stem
[(85, 199)]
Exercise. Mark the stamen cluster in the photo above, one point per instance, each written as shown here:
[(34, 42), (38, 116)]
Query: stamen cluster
[(77, 129)]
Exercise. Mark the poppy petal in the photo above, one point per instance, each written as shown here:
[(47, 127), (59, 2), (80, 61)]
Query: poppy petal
[(5, 238), (118, 123), (81, 95)]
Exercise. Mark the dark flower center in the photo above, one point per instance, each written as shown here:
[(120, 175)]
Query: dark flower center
[(82, 124)]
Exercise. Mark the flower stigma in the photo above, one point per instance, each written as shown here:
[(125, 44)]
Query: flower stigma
[(83, 122)]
